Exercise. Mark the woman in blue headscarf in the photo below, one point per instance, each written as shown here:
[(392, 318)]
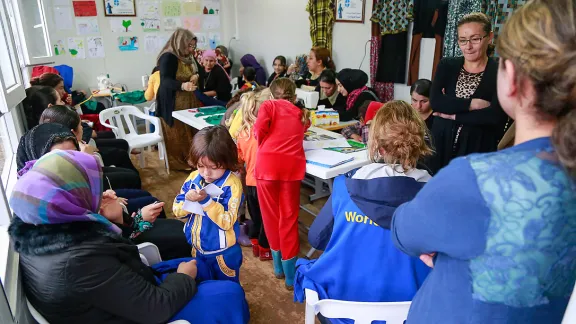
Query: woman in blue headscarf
[(73, 258)]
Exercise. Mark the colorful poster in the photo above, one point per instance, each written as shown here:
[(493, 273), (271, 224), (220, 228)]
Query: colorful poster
[(211, 7), (120, 25), (202, 41), (63, 18), (191, 7), (214, 40), (76, 48), (59, 48), (119, 8), (149, 9), (211, 22), (171, 8), (128, 43), (87, 26), (171, 23), (350, 10), (150, 24), (95, 47), (192, 23), (84, 8)]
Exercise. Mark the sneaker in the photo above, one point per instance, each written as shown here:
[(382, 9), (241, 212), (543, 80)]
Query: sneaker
[(265, 254), (255, 248)]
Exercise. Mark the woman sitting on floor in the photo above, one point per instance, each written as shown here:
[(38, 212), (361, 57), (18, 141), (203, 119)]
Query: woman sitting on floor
[(355, 222), (77, 268)]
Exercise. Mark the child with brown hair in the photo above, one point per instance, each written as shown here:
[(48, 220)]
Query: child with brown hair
[(280, 167), (212, 227), (247, 146), (353, 228)]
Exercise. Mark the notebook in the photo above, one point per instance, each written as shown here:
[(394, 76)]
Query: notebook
[(327, 159)]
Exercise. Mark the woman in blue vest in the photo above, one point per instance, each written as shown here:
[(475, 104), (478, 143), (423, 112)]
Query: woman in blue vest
[(360, 262)]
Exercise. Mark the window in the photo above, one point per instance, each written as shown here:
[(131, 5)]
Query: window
[(30, 24)]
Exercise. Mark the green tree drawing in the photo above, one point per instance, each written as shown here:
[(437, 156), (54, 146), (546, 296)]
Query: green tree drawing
[(126, 24)]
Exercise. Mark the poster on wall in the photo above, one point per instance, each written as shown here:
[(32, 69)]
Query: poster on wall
[(59, 48), (63, 18), (124, 8), (84, 8), (202, 40), (128, 43), (211, 22), (211, 7), (350, 11), (95, 47), (120, 25), (150, 16), (150, 24), (214, 40), (171, 23), (191, 7), (171, 8), (154, 43), (87, 26), (76, 48), (193, 24)]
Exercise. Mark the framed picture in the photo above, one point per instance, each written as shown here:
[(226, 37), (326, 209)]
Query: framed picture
[(120, 8), (351, 11)]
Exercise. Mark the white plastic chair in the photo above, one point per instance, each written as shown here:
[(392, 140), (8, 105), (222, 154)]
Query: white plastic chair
[(149, 255), (114, 116), (147, 111), (361, 313)]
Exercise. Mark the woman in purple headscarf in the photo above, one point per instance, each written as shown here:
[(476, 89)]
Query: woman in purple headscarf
[(249, 60)]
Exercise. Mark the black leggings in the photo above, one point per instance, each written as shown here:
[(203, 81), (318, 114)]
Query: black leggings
[(256, 231), (121, 178)]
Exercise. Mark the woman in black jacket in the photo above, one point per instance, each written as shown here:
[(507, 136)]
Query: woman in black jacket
[(280, 67), (468, 116), (180, 76), (77, 268), (216, 80), (352, 85)]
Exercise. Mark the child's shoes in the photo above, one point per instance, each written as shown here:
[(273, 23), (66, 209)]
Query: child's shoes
[(255, 247), (265, 254)]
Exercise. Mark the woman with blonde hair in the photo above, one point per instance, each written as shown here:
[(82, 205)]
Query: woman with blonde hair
[(353, 228), (500, 228), (180, 76)]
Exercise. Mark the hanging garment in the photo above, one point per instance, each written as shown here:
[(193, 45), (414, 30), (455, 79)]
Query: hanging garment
[(429, 22), (456, 10), (393, 16), (385, 91), (321, 22), (499, 11)]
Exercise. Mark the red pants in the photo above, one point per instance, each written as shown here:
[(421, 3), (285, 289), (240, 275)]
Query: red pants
[(280, 206)]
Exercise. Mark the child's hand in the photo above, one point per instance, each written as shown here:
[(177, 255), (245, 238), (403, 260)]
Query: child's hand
[(428, 259), (196, 195), (357, 138)]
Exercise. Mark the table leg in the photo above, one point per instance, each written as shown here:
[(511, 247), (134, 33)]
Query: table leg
[(319, 190)]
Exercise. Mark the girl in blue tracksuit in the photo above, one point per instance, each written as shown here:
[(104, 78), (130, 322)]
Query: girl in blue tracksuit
[(360, 262), (213, 233)]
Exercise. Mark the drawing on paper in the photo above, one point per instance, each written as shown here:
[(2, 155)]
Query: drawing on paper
[(95, 47), (211, 7), (214, 40), (171, 23), (119, 7), (211, 22), (76, 48), (150, 24), (86, 26), (119, 25), (202, 42), (128, 43), (59, 48), (191, 7), (171, 8), (192, 23)]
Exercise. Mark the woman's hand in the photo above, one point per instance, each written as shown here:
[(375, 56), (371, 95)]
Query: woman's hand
[(445, 116), (123, 201), (194, 79), (477, 104), (87, 148), (196, 195), (69, 100), (428, 259), (357, 138), (188, 86), (109, 194), (151, 212), (291, 69), (188, 268)]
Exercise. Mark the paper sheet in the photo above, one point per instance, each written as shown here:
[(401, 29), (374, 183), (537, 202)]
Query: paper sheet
[(59, 48), (87, 26), (63, 18), (120, 7), (128, 43), (171, 8), (211, 7), (76, 48), (150, 24), (214, 40), (211, 22), (202, 40), (171, 23), (95, 47), (84, 8), (149, 9), (193, 207), (192, 23), (120, 25), (153, 43), (213, 190), (191, 7)]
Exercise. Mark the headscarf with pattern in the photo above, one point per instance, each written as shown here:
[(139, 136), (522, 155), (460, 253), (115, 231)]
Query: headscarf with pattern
[(62, 187), (178, 45), (354, 81)]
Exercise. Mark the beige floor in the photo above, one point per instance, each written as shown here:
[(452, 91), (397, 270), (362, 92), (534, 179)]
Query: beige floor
[(269, 301)]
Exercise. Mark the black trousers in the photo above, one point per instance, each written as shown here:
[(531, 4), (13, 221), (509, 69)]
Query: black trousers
[(257, 231), (116, 157), (120, 178)]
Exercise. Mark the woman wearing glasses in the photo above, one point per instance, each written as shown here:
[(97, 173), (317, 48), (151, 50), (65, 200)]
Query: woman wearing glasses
[(468, 117), (180, 76)]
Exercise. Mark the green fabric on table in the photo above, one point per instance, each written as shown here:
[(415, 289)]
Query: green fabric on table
[(132, 97), (210, 111), (214, 119), (91, 105)]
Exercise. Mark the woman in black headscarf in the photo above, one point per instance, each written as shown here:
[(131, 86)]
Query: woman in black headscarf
[(352, 85)]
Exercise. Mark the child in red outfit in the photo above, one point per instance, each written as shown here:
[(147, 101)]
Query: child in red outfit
[(280, 167)]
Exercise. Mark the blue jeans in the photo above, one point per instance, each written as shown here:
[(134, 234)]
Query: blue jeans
[(208, 101)]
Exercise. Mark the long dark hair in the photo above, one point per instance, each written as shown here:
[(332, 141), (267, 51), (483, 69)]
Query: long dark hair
[(421, 87), (37, 99), (62, 115), (47, 79)]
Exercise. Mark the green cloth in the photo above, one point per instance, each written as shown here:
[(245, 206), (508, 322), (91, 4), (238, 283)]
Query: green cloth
[(210, 111), (214, 119), (132, 97), (91, 105)]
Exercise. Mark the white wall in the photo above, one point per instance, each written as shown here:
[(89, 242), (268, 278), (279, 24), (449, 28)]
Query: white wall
[(123, 67)]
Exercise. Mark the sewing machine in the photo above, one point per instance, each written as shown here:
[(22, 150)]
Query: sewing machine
[(309, 98)]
